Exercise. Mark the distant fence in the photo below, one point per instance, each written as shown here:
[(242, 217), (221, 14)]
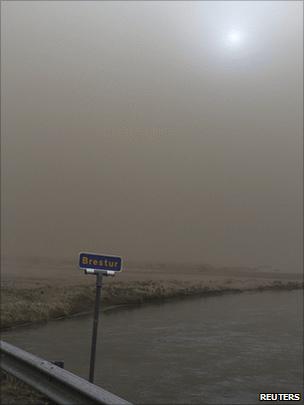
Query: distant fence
[(57, 384)]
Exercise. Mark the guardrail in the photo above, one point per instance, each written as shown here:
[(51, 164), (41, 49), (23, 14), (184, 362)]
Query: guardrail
[(61, 386)]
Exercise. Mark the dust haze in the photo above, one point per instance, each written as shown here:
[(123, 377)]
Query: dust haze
[(159, 131)]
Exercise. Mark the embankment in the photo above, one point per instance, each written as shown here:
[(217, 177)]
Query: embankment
[(31, 305)]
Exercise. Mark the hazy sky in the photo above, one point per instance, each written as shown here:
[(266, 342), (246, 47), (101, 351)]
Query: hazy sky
[(153, 130)]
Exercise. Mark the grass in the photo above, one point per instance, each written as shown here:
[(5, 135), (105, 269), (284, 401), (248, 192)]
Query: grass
[(32, 305), (16, 392)]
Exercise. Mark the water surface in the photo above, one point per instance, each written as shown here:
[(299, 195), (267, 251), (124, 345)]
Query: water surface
[(222, 349)]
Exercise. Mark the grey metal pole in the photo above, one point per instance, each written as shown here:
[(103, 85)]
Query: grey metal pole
[(95, 325)]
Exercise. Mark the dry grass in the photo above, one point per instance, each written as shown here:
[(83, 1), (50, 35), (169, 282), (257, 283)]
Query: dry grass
[(15, 392), (30, 305)]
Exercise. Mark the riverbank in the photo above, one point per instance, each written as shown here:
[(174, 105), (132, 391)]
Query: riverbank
[(33, 304), (180, 340)]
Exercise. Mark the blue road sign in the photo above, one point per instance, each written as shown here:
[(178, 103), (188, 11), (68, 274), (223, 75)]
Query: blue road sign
[(99, 262)]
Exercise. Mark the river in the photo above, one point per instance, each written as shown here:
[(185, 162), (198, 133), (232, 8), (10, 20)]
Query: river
[(214, 350)]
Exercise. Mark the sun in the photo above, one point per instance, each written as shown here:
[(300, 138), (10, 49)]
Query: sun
[(234, 38)]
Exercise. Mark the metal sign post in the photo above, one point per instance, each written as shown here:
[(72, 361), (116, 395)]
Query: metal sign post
[(95, 325), (99, 265)]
